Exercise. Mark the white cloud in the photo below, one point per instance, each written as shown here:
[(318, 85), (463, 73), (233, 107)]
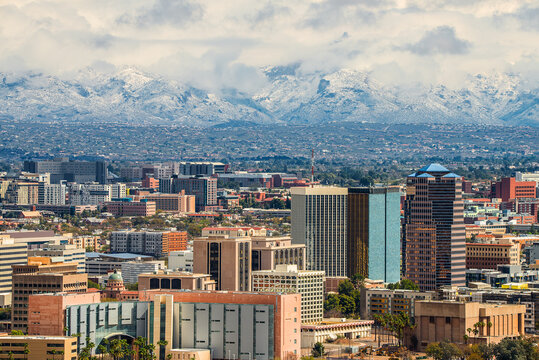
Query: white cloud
[(216, 44)]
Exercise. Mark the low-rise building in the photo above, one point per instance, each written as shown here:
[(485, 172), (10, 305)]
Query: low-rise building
[(378, 301), (288, 279), (181, 260), (175, 280), (101, 264), (270, 251), (38, 347), (132, 269), (176, 203), (154, 243), (490, 255), (66, 253), (131, 208), (449, 320), (332, 329)]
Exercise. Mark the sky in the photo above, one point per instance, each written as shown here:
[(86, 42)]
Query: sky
[(221, 44)]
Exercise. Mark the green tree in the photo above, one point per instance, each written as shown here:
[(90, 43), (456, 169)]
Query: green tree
[(346, 287), (405, 284), (396, 323), (318, 350), (347, 305), (162, 344), (515, 349), (358, 281), (332, 302), (93, 285), (26, 350), (443, 351)]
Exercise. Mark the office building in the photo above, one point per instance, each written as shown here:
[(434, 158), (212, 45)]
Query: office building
[(433, 232), (66, 253), (70, 171), (176, 203), (236, 325), (118, 191), (175, 280), (373, 246), (288, 279), (41, 276), (154, 243), (203, 188), (226, 259), (22, 193), (379, 301), (127, 207), (269, 251), (131, 270), (89, 194), (102, 264), (319, 221), (38, 347), (448, 321), (202, 168), (181, 260), (509, 189), (11, 253), (52, 194), (490, 255)]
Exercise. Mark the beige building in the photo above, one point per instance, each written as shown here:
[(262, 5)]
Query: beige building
[(38, 347), (169, 280), (449, 320), (378, 301), (178, 203), (268, 252), (234, 231), (11, 253), (41, 276), (66, 253), (226, 258), (319, 221), (488, 255), (288, 279)]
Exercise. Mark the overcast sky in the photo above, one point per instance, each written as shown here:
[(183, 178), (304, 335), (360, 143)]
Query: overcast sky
[(224, 43)]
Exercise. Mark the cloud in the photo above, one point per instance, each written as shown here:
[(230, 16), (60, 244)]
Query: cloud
[(217, 44), (441, 40)]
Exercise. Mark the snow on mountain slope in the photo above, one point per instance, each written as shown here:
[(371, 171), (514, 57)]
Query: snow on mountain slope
[(130, 95)]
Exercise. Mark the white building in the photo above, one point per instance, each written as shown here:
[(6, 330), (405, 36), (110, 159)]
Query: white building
[(67, 253), (527, 177), (181, 260), (11, 253), (89, 194), (319, 220), (132, 269), (52, 194), (288, 279), (118, 191)]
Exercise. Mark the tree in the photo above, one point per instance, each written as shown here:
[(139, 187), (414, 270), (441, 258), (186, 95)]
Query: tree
[(358, 281), (346, 287), (396, 323), (17, 332), (405, 284), (347, 305), (118, 348), (515, 349), (443, 351), (93, 285), (318, 350), (162, 344), (26, 350)]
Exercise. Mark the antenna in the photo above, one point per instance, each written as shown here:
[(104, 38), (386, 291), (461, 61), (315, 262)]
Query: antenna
[(312, 167)]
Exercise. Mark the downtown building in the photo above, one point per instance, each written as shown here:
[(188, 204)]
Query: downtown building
[(433, 232), (70, 171), (203, 188)]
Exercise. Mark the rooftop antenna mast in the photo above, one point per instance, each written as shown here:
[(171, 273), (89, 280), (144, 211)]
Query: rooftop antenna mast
[(312, 167)]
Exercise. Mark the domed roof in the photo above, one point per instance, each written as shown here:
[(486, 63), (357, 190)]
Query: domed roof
[(116, 276)]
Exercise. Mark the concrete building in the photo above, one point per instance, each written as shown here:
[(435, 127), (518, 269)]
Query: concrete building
[(176, 203), (288, 279), (269, 251), (332, 329), (202, 168), (373, 244), (11, 253), (154, 243), (181, 260), (52, 194), (236, 325), (490, 255), (118, 191), (433, 232), (175, 280), (89, 194), (38, 347), (449, 320), (319, 221), (65, 253), (519, 176), (226, 259), (41, 276), (132, 269), (102, 264), (125, 207), (22, 193), (378, 301), (71, 171), (203, 188), (509, 189)]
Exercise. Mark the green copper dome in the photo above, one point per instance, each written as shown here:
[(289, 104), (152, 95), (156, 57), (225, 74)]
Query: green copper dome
[(115, 276)]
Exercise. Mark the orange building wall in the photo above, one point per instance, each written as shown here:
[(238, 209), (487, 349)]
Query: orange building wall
[(177, 241)]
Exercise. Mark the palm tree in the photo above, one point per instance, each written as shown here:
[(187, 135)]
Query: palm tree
[(53, 352), (465, 337), (162, 344), (102, 350), (26, 350)]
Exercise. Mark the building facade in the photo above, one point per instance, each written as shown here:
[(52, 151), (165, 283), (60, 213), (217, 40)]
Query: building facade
[(131, 208), (203, 188), (71, 171), (11, 253), (152, 243), (385, 301), (433, 232), (373, 244), (508, 189), (175, 280), (288, 279), (181, 260), (268, 252), (489, 256), (319, 221)]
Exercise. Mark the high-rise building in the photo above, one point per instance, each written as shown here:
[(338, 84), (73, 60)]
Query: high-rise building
[(509, 189), (52, 194), (11, 253), (41, 276), (118, 191), (269, 251), (71, 171), (204, 189), (373, 246), (89, 194), (433, 233), (288, 279), (319, 220), (66, 253), (226, 259), (202, 168)]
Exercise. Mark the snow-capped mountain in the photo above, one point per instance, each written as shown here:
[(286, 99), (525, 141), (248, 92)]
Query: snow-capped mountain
[(130, 95)]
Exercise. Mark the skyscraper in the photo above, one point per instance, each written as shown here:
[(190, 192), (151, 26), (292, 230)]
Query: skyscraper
[(319, 221), (433, 233), (373, 246)]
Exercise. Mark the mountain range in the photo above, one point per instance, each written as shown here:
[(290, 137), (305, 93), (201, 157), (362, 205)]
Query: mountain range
[(288, 97)]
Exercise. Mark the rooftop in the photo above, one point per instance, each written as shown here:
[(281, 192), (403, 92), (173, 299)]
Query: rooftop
[(434, 168)]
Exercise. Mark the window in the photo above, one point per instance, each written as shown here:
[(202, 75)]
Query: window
[(431, 319), (447, 320)]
